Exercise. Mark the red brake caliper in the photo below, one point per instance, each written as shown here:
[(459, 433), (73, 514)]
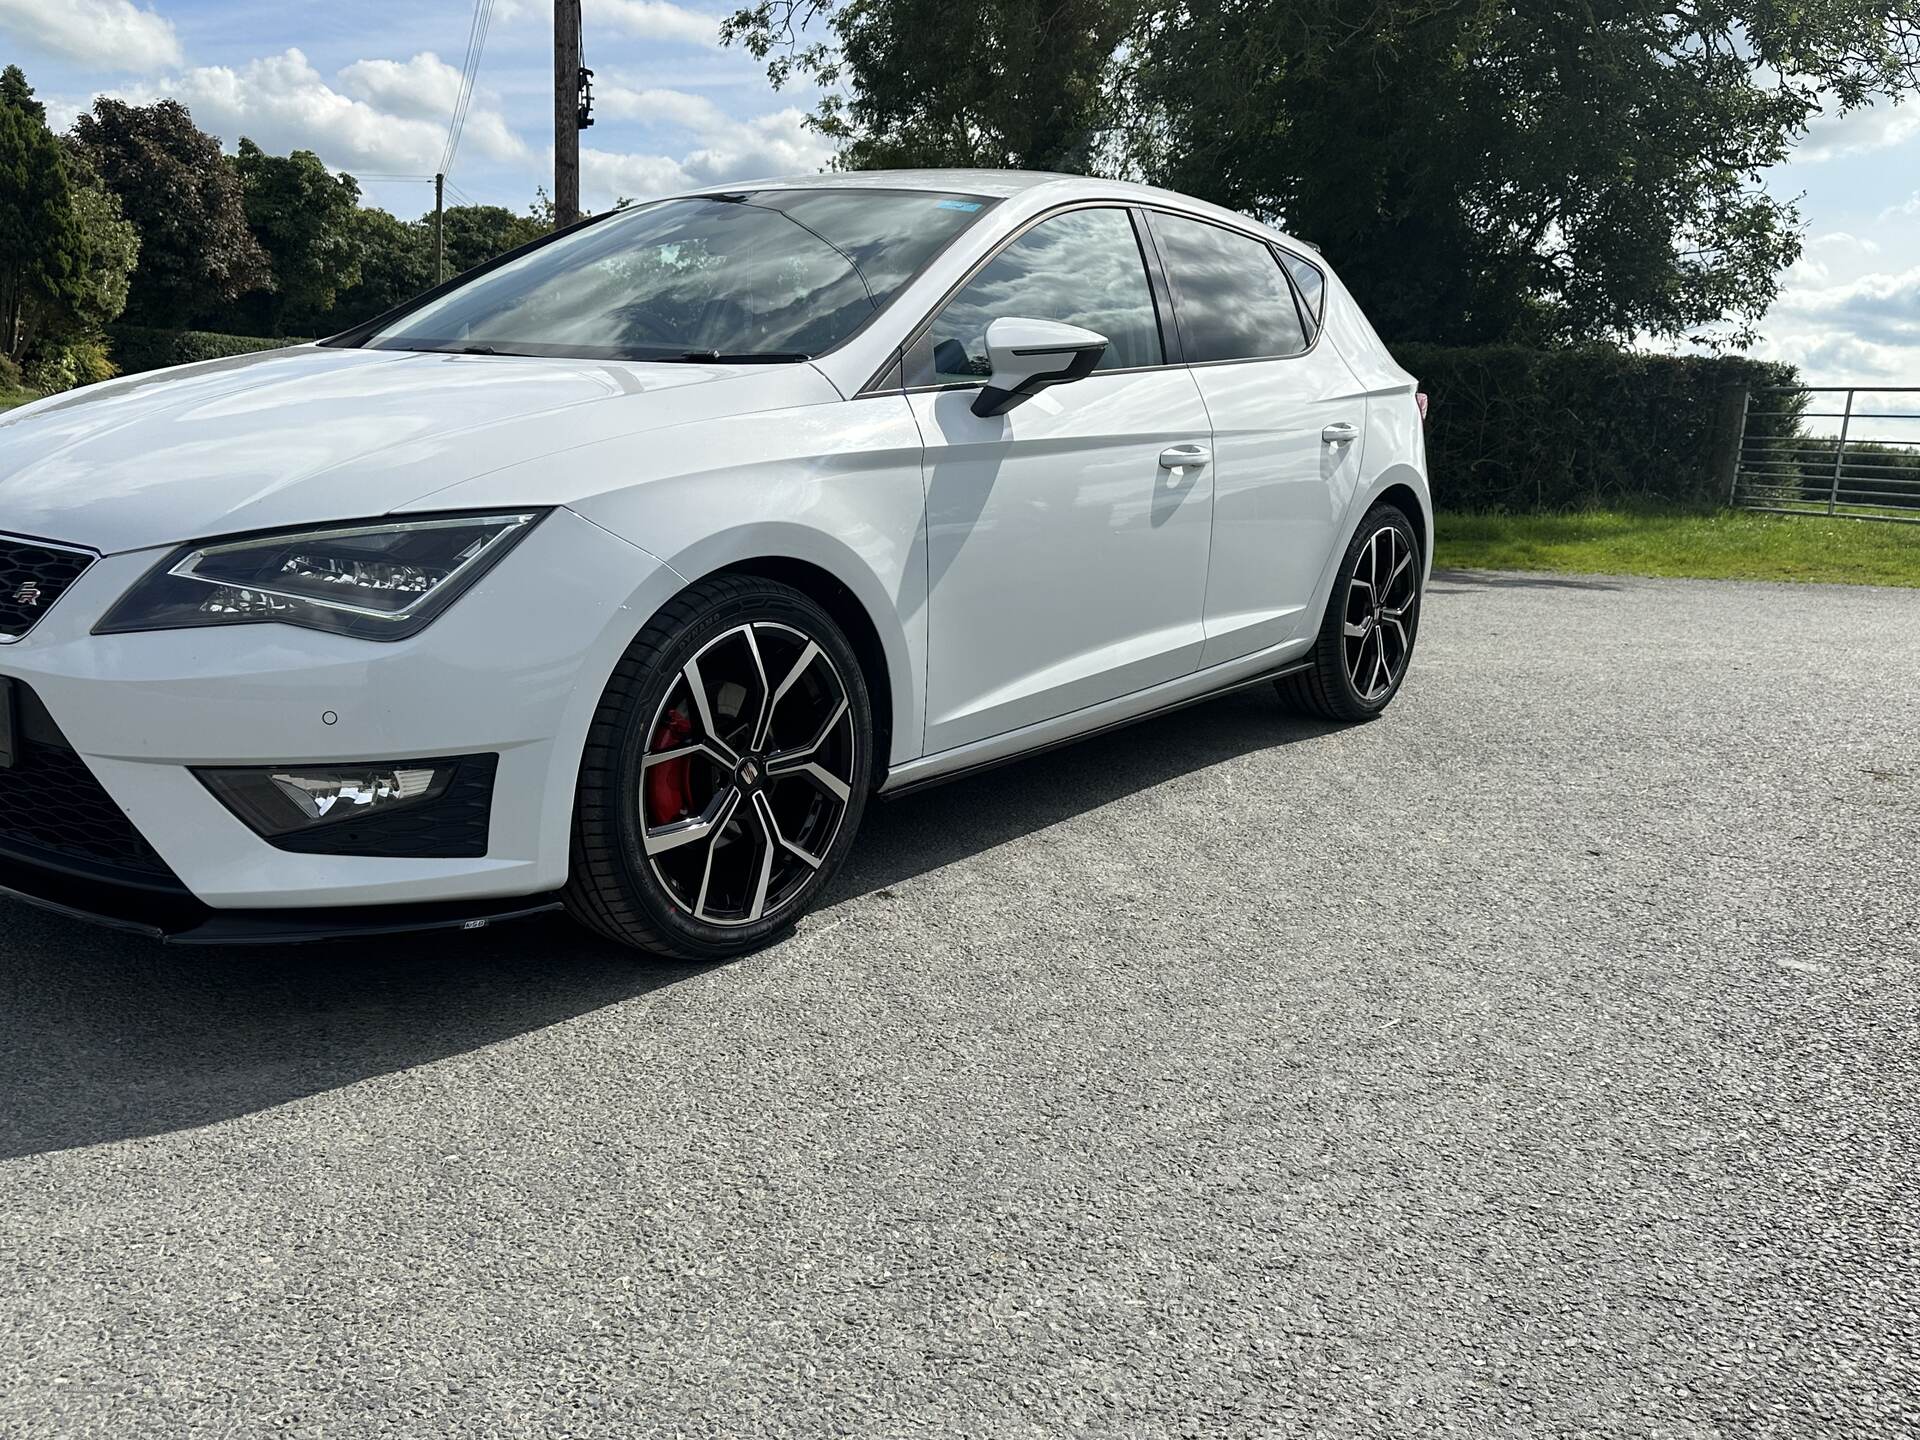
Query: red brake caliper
[(669, 793)]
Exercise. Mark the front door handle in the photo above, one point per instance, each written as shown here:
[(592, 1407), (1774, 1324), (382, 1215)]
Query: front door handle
[(1340, 433), (1175, 456)]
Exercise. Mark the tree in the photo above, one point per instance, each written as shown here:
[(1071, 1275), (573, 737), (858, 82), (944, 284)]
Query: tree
[(394, 264), (474, 234), (108, 253), (18, 95), (196, 252), (1530, 171), (1007, 83), (41, 247), (1478, 169), (302, 215)]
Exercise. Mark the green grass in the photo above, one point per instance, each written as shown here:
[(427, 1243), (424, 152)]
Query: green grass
[(1720, 545), (10, 397)]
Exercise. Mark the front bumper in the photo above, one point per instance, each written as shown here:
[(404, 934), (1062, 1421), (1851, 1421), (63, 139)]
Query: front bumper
[(514, 668)]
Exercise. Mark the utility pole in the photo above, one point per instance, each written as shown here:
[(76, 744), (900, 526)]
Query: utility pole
[(567, 80), (439, 216)]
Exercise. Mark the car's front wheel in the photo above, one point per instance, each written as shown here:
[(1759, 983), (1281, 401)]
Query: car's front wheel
[(1366, 636), (724, 774)]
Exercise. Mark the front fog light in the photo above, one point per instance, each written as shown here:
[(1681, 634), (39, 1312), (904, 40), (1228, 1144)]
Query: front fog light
[(283, 799)]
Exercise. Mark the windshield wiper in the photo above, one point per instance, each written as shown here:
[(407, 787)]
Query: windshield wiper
[(739, 357), (451, 350)]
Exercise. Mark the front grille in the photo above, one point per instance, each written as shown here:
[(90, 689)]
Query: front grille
[(53, 811), (33, 575)]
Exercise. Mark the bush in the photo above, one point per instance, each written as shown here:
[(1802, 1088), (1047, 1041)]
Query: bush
[(138, 347), (1511, 428), (9, 374), (92, 360), (56, 365)]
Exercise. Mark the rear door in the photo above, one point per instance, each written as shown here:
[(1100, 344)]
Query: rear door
[(1066, 548), (1288, 421)]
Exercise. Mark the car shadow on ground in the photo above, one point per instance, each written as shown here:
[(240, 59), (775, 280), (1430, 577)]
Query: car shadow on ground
[(108, 1037)]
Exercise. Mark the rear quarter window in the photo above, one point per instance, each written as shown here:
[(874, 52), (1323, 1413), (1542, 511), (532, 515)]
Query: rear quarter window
[(1310, 280), (1233, 300)]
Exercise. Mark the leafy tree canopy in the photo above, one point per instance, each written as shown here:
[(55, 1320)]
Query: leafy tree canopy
[(394, 263), (1001, 83), (108, 252), (303, 216), (1535, 171), (474, 234), (197, 252), (1477, 169)]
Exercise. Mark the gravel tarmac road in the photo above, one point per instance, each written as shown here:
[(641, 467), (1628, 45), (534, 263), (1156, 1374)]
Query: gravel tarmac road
[(1539, 1060)]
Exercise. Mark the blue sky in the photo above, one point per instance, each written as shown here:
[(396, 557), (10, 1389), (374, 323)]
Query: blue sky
[(369, 87)]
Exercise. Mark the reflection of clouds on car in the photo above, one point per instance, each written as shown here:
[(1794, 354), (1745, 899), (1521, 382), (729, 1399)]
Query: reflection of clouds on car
[(1234, 302), (1081, 268)]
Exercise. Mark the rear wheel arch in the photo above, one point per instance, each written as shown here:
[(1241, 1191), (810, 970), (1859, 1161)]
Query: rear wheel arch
[(1407, 500)]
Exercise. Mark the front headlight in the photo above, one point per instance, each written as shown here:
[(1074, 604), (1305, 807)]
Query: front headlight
[(381, 580)]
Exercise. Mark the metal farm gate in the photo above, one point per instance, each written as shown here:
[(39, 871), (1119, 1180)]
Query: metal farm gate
[(1809, 450)]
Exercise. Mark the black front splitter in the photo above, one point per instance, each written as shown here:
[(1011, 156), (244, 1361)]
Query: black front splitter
[(174, 917)]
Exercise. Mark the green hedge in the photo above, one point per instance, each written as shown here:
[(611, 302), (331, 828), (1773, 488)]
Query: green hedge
[(137, 348), (1516, 429)]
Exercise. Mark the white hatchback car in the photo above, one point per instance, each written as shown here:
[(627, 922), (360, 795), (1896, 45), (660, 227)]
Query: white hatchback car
[(619, 572)]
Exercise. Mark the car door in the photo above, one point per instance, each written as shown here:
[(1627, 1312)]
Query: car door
[(1066, 539), (1288, 423)]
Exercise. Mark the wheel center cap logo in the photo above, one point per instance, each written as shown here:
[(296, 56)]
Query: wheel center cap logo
[(749, 772)]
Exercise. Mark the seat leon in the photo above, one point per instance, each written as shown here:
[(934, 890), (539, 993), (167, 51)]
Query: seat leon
[(622, 572)]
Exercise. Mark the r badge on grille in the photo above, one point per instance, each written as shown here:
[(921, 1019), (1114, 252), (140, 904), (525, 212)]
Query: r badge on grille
[(28, 595)]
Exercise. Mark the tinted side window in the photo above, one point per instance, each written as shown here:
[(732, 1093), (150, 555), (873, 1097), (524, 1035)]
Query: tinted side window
[(1311, 282), (1234, 302), (1082, 268)]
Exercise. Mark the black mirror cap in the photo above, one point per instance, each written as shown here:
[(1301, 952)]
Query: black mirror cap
[(992, 400)]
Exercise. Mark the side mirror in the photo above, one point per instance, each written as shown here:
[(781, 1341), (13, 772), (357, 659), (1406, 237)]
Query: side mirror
[(1029, 355)]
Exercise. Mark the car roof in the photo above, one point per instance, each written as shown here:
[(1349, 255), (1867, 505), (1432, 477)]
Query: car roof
[(998, 184)]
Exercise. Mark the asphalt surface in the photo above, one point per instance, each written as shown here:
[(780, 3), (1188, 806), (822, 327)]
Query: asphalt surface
[(1540, 1060)]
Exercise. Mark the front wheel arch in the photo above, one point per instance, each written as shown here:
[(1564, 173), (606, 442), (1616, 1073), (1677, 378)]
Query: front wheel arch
[(827, 591)]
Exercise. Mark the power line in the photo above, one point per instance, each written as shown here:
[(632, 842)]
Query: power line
[(469, 72)]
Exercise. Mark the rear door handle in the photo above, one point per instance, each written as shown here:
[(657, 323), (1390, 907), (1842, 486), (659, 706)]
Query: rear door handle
[(1340, 433), (1175, 456)]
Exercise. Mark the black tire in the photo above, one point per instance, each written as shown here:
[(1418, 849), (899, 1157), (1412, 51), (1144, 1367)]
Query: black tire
[(741, 627), (1382, 652)]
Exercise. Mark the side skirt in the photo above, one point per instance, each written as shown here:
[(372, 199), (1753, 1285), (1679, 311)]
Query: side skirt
[(931, 770)]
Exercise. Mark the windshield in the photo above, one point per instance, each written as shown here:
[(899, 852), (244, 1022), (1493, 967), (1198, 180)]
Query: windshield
[(759, 275)]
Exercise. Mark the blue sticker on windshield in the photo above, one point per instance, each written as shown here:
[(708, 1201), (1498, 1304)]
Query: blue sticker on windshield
[(967, 205)]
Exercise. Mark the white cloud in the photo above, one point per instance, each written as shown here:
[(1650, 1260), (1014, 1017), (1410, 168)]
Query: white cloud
[(724, 149), (1860, 331), (607, 177), (1871, 127), (1821, 252), (423, 88), (1881, 308), (282, 103), (666, 107), (110, 34), (655, 20), (1910, 206)]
